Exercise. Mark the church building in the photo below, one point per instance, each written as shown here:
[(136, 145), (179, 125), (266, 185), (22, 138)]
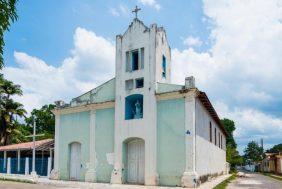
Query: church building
[(138, 128)]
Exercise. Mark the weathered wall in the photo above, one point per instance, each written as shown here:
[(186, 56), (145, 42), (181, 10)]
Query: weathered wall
[(104, 143), (170, 141), (137, 36), (167, 87), (210, 158), (103, 93), (73, 128)]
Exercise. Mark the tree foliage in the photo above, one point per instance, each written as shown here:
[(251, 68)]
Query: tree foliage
[(230, 128), (253, 152), (45, 121), (275, 149), (232, 155), (8, 15), (10, 110)]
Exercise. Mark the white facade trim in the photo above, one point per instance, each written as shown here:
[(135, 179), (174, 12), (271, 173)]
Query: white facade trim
[(57, 133), (83, 108), (190, 177), (90, 175)]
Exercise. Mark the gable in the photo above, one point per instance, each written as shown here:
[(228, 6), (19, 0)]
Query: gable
[(167, 87), (102, 93), (136, 28)]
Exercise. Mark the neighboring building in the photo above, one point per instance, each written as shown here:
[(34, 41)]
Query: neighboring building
[(138, 127), (17, 158), (272, 163)]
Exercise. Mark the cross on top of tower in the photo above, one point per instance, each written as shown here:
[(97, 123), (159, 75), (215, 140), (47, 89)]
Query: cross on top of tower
[(136, 11)]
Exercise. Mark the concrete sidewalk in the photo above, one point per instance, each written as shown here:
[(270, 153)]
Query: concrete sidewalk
[(72, 184), (41, 183)]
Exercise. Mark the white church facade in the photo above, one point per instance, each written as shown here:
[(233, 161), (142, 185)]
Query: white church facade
[(138, 128)]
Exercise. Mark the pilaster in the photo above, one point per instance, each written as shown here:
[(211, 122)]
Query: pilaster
[(90, 175), (190, 176)]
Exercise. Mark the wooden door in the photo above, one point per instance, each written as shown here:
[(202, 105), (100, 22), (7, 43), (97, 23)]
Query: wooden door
[(75, 161), (135, 161)]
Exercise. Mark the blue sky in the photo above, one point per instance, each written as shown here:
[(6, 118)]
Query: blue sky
[(53, 23), (60, 49)]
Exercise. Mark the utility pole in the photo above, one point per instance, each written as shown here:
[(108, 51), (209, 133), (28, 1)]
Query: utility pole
[(33, 173)]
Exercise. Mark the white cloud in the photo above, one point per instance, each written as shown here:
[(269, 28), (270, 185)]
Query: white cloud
[(152, 3), (114, 12), (192, 41), (91, 63), (120, 10), (252, 124), (243, 67), (245, 57)]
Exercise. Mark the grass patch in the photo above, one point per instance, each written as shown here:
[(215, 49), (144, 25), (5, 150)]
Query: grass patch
[(273, 176), (224, 183)]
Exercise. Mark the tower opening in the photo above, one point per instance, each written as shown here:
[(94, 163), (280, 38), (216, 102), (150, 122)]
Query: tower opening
[(135, 59)]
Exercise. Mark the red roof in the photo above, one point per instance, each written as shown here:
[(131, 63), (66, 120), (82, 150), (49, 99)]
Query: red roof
[(26, 145)]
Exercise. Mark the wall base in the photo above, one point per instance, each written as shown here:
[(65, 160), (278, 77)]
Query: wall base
[(152, 180), (190, 179), (116, 177), (55, 175), (90, 175)]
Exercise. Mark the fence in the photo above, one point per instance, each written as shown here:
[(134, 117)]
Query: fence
[(41, 166)]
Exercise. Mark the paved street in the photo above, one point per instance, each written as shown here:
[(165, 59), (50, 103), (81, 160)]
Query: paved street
[(252, 181), (256, 181)]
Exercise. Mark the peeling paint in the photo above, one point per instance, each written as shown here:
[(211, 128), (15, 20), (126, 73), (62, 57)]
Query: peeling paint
[(110, 158)]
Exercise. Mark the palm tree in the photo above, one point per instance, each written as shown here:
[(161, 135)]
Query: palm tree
[(8, 14), (9, 109)]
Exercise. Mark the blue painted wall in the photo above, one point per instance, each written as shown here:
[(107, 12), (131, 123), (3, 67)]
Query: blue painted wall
[(170, 141), (73, 128), (104, 135)]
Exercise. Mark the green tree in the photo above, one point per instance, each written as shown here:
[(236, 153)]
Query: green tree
[(275, 149), (229, 125), (19, 133), (8, 15), (232, 155), (253, 152), (45, 121), (9, 109)]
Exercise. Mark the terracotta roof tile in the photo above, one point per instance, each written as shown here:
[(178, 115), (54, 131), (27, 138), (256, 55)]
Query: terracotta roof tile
[(26, 145)]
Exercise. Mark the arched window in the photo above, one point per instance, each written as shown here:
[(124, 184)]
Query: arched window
[(134, 107)]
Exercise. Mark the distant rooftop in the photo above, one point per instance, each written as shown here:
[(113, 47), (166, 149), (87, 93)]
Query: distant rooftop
[(39, 145)]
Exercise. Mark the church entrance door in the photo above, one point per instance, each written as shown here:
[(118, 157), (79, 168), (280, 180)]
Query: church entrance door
[(135, 161), (75, 160)]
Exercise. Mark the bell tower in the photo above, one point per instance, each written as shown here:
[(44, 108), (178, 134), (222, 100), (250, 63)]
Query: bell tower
[(142, 59)]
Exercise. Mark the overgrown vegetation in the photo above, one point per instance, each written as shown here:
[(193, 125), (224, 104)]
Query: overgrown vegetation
[(225, 183)]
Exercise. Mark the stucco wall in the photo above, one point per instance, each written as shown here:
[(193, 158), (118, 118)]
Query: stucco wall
[(102, 93), (73, 128), (210, 158), (104, 143), (170, 141)]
